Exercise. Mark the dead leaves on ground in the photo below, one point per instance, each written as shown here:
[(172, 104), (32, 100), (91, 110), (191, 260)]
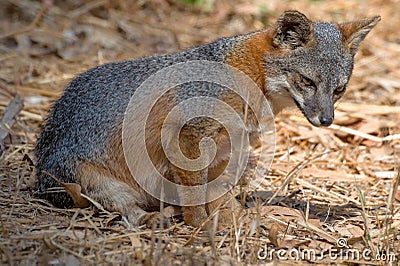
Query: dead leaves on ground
[(74, 190), (48, 45)]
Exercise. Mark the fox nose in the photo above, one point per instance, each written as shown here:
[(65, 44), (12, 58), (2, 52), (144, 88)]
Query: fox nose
[(325, 120)]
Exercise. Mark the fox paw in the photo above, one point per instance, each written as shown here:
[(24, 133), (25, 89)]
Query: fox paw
[(155, 220), (226, 217)]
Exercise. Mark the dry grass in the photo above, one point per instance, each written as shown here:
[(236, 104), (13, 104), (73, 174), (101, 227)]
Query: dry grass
[(325, 184)]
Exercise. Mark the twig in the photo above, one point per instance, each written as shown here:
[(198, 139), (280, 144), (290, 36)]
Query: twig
[(318, 231), (353, 131), (30, 27), (7, 90), (368, 109), (8, 120), (390, 203), (87, 7), (328, 193), (294, 172)]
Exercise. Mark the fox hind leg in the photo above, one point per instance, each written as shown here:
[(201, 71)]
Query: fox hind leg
[(115, 195)]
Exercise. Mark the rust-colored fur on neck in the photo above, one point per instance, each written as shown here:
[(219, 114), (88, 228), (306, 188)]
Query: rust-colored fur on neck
[(247, 55)]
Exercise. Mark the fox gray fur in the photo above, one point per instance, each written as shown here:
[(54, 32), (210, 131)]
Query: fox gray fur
[(294, 62)]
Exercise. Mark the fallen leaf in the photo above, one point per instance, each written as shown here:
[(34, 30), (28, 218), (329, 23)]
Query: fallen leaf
[(135, 241), (371, 143), (273, 236), (397, 195), (171, 211), (74, 190), (285, 212), (317, 244), (370, 126), (338, 175), (315, 222), (8, 119), (276, 236), (355, 231)]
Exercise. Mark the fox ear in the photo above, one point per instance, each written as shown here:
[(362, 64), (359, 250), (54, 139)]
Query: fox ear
[(354, 32), (293, 30)]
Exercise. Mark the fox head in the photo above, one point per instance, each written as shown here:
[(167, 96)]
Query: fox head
[(314, 64)]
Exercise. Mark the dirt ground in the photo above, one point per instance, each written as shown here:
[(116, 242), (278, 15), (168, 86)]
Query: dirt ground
[(329, 189)]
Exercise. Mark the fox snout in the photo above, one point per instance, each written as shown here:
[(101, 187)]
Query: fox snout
[(325, 120), (319, 111), (318, 119)]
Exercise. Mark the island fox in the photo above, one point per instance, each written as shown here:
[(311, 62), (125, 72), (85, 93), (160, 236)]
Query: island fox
[(294, 62)]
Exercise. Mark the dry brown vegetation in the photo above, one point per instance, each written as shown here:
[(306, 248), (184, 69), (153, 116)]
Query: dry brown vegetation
[(324, 184)]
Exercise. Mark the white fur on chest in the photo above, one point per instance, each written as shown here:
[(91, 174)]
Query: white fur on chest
[(279, 93)]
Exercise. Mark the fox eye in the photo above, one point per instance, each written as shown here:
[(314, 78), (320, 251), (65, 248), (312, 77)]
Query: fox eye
[(307, 82), (340, 90)]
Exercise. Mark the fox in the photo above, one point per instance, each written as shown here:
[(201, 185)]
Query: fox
[(294, 62)]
